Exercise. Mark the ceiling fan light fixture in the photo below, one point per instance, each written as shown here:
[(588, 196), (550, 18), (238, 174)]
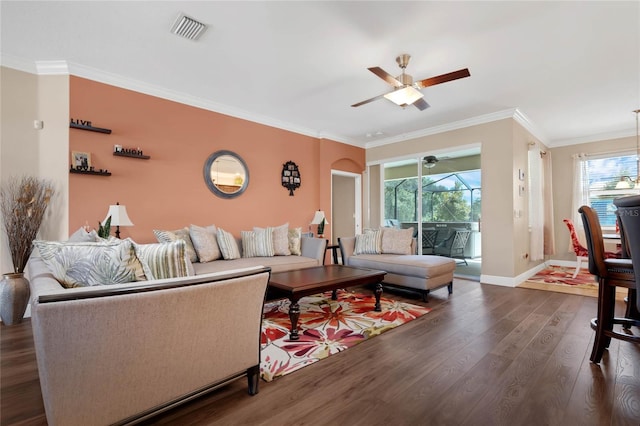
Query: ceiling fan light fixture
[(404, 96)]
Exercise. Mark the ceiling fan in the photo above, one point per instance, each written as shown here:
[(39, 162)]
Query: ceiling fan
[(405, 91), (430, 161)]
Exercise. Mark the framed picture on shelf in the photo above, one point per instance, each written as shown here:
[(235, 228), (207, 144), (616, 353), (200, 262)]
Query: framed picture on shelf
[(80, 159)]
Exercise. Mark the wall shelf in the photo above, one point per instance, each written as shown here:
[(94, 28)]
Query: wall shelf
[(90, 172), (124, 154), (90, 128)]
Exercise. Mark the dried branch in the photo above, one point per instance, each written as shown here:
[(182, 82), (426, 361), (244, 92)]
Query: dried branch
[(23, 202)]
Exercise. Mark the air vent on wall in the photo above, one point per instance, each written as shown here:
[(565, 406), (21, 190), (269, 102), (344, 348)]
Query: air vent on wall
[(187, 27)]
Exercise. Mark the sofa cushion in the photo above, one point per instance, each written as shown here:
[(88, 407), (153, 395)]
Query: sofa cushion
[(397, 241), (280, 239), (422, 266), (205, 242), (178, 234), (228, 245), (369, 243), (163, 260), (294, 235), (85, 264), (257, 243), (276, 263)]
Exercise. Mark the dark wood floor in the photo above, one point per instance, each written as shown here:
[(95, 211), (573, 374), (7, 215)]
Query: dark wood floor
[(486, 355)]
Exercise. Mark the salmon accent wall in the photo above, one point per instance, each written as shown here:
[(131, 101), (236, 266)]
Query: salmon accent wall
[(168, 191)]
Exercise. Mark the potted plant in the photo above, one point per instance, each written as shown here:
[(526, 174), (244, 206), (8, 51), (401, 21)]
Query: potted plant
[(23, 202)]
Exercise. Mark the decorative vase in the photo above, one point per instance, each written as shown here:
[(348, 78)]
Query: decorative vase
[(14, 297)]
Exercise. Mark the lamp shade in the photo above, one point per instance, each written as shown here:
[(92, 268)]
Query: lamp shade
[(318, 217), (119, 216), (404, 96)]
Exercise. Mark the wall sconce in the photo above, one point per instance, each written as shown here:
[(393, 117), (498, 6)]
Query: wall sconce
[(119, 217), (320, 220)]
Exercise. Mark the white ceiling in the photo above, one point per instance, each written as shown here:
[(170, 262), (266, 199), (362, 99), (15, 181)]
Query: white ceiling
[(572, 69)]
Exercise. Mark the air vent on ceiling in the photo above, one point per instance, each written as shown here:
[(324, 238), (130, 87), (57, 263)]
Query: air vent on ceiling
[(187, 27)]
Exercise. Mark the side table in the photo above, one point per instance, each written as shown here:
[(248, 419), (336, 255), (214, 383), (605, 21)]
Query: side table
[(334, 249)]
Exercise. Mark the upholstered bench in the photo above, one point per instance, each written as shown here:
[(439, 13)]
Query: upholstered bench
[(418, 272)]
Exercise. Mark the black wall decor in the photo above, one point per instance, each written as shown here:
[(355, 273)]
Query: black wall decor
[(290, 176)]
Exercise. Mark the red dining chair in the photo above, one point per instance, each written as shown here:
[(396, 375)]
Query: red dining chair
[(581, 251)]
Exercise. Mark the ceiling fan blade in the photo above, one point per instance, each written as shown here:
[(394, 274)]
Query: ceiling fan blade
[(421, 104), (443, 78), (368, 100), (385, 76)]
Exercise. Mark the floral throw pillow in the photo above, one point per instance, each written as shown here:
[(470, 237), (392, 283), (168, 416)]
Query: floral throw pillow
[(90, 264), (294, 236)]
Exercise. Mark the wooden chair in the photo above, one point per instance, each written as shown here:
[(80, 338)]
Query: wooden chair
[(611, 273), (628, 216)]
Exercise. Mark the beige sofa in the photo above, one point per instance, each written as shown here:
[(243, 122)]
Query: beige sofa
[(422, 273), (121, 353), (312, 254)]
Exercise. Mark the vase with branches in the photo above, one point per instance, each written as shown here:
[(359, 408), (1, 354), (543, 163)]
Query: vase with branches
[(23, 203)]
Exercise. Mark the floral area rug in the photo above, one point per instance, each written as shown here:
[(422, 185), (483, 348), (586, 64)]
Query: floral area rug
[(560, 279), (326, 327)]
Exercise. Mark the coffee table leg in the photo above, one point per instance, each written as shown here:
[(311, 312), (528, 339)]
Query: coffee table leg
[(378, 292), (334, 295), (294, 314)]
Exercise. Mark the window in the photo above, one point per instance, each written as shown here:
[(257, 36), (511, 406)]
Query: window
[(607, 178)]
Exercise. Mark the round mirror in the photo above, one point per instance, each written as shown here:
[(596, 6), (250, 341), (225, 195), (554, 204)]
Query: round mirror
[(226, 174)]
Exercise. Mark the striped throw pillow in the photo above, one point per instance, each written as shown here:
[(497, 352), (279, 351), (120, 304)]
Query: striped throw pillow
[(257, 243), (228, 245), (163, 260), (369, 243), (178, 234)]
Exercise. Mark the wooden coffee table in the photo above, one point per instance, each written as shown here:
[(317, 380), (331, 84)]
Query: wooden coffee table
[(295, 285)]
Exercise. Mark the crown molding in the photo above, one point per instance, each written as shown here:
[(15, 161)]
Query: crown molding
[(594, 138), (52, 68), (473, 121), (524, 121), (17, 63)]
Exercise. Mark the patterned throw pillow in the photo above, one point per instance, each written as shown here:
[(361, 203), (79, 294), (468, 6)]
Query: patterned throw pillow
[(228, 245), (205, 242), (397, 241), (178, 234), (163, 260), (369, 243), (89, 264), (294, 236), (280, 239), (257, 243)]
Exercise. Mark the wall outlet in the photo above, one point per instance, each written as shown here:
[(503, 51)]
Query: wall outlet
[(38, 124)]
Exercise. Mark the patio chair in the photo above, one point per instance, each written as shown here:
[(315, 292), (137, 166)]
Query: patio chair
[(453, 246), (429, 236)]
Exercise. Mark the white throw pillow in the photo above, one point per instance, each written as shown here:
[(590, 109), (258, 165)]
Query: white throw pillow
[(257, 243), (228, 245), (205, 242), (397, 241), (369, 243), (82, 236)]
